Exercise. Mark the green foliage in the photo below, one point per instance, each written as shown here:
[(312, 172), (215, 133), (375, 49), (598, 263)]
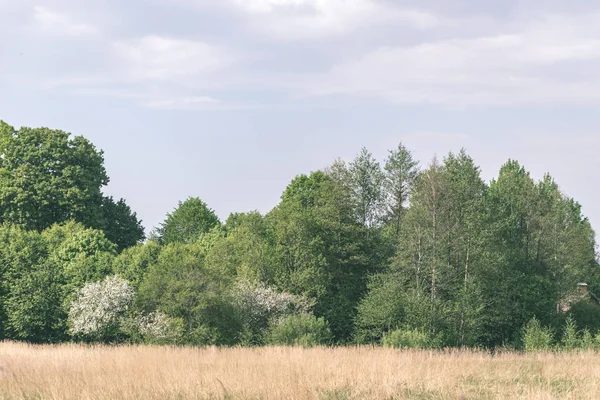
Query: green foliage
[(155, 328), (401, 177), (187, 222), (299, 330), (258, 305), (536, 337), (409, 339), (533, 231), (587, 341), (321, 250), (21, 253), (382, 309), (119, 224), (84, 255), (41, 273), (133, 263), (34, 306), (48, 177), (586, 315), (242, 249), (366, 180), (570, 339), (181, 286), (395, 254)]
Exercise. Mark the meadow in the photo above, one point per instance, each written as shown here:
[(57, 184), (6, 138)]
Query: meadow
[(144, 372)]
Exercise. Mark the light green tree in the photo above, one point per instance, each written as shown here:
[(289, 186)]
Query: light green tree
[(367, 180)]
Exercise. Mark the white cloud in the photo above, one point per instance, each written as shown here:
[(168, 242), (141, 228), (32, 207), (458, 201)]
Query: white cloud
[(155, 99), (153, 71), (118, 93), (169, 59), (293, 19), (76, 80), (527, 60), (56, 23), (513, 68), (183, 103)]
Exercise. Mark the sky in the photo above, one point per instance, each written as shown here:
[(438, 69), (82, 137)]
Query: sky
[(228, 100)]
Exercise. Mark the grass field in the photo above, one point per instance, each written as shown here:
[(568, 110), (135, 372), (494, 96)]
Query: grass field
[(79, 372)]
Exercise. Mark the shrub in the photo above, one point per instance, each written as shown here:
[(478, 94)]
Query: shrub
[(587, 340), (159, 328), (96, 310), (260, 304), (302, 329), (409, 339), (586, 315), (262, 301), (153, 328), (537, 337), (596, 341), (570, 338)]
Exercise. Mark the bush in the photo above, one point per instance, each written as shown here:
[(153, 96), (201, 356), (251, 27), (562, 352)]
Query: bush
[(260, 304), (537, 337), (153, 328), (586, 315), (587, 340), (382, 306), (596, 342), (409, 339), (570, 338), (299, 330), (96, 311)]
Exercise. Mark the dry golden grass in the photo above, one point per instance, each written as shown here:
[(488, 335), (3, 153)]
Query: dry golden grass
[(80, 372)]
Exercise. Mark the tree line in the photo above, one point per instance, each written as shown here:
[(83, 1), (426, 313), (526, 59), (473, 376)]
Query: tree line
[(360, 252)]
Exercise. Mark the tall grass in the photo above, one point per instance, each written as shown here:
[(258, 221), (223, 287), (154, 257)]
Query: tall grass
[(81, 372)]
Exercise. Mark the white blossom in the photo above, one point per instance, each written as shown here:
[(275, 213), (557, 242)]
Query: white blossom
[(263, 302), (156, 326), (99, 305)]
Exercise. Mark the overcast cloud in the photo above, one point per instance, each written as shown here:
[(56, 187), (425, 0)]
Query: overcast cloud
[(229, 99)]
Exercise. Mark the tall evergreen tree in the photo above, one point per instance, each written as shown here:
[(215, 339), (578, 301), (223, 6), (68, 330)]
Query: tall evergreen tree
[(401, 173)]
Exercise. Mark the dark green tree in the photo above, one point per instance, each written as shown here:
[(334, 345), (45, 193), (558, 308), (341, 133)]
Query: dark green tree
[(429, 277), (187, 222), (40, 274), (21, 254), (401, 172), (48, 177), (179, 285), (119, 224), (324, 252), (244, 250), (538, 246), (34, 305)]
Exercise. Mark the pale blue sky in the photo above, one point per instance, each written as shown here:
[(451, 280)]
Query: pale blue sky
[(228, 100)]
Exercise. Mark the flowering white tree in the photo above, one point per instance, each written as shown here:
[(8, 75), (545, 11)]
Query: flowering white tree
[(261, 303), (157, 327), (96, 310)]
